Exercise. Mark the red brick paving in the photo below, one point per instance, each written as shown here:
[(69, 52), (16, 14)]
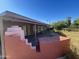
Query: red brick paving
[(17, 49)]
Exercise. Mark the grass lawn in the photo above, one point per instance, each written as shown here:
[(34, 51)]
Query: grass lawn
[(74, 43), (74, 36)]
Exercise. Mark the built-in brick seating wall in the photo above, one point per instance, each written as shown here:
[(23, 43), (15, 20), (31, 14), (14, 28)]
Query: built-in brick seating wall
[(17, 31), (17, 47)]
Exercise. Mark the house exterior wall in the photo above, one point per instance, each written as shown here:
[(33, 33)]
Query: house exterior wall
[(28, 28), (24, 28), (12, 23), (38, 28)]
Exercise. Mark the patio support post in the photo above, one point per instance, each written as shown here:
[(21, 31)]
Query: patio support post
[(35, 31), (37, 40), (2, 39)]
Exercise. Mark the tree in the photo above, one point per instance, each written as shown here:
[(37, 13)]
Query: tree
[(76, 23), (68, 21), (59, 25), (73, 26)]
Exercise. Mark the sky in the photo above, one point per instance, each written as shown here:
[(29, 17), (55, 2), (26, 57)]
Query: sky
[(44, 10)]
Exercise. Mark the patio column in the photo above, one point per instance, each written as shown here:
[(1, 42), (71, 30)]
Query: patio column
[(37, 40), (28, 29), (2, 39), (24, 28), (35, 30)]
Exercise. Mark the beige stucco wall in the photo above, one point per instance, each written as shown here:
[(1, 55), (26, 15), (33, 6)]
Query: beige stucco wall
[(39, 28), (12, 23), (28, 27), (24, 28)]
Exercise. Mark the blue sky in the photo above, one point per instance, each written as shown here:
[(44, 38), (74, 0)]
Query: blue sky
[(43, 10)]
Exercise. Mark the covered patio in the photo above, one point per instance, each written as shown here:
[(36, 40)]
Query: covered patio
[(30, 26)]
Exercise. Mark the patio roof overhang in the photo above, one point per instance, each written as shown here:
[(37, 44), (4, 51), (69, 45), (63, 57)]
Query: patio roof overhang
[(20, 18)]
